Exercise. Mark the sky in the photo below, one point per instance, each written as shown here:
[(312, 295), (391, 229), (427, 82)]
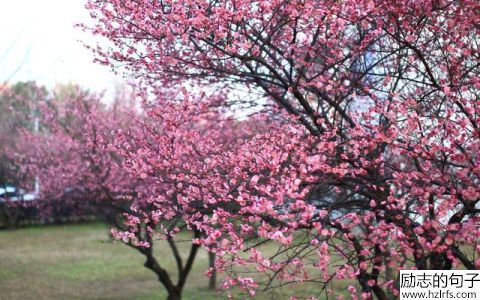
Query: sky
[(39, 42)]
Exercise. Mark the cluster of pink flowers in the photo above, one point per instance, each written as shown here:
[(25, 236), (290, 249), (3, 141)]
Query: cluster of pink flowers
[(359, 155)]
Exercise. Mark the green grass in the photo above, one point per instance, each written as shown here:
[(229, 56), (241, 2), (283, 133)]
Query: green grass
[(81, 262)]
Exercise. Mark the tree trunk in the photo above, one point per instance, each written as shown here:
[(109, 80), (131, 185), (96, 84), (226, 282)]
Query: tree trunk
[(212, 281), (10, 216), (175, 294)]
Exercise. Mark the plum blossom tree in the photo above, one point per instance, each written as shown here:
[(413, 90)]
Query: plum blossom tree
[(156, 152), (373, 168), (66, 155), (91, 158)]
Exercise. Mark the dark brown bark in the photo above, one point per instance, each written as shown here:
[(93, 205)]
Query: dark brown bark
[(212, 281), (175, 295), (174, 290)]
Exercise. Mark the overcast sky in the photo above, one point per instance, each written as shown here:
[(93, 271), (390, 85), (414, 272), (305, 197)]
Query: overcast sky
[(39, 42)]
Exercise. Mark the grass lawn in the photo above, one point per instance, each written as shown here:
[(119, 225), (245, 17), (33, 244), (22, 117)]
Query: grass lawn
[(81, 262)]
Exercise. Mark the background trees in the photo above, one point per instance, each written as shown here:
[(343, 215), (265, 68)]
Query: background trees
[(17, 113), (18, 110)]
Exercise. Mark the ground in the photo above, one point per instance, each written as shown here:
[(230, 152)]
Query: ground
[(82, 262)]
